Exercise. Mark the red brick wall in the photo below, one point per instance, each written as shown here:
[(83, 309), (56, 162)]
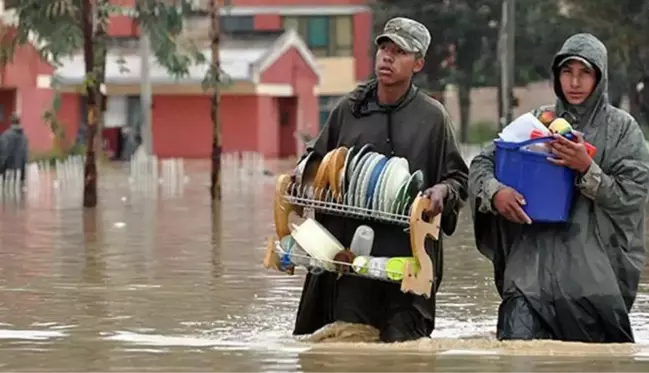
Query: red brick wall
[(268, 22), (21, 76), (362, 45), (292, 68)]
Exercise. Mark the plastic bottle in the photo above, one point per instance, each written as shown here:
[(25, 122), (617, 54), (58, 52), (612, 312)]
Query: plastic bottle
[(376, 268), (299, 257), (292, 253), (362, 241)]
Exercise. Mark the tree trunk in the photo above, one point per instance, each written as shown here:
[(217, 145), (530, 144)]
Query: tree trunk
[(99, 41), (634, 101), (464, 85), (639, 101), (90, 169), (464, 95), (215, 31), (436, 89), (501, 113), (616, 88), (644, 100)]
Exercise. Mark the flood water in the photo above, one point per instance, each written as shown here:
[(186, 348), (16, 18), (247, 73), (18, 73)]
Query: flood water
[(161, 284)]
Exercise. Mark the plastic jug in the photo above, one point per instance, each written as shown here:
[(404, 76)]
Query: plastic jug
[(362, 241)]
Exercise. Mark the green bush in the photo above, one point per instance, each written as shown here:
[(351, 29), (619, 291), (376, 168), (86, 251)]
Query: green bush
[(483, 132), (49, 156), (57, 154)]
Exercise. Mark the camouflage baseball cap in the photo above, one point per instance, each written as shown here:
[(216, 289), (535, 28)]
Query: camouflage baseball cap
[(408, 34)]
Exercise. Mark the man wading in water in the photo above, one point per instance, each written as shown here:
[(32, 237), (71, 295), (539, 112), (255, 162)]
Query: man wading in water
[(13, 149), (398, 120), (574, 281)]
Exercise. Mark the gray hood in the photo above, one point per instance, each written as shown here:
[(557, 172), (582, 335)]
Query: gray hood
[(593, 50)]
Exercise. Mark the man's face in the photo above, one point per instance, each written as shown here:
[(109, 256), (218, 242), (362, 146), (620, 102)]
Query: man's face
[(394, 65), (577, 81)]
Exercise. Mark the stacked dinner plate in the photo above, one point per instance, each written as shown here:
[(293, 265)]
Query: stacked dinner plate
[(360, 177)]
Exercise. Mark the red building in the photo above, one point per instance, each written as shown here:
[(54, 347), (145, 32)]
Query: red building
[(337, 31), (269, 96), (280, 82)]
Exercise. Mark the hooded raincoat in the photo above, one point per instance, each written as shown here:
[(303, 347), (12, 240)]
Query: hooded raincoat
[(13, 150), (419, 129), (575, 281)]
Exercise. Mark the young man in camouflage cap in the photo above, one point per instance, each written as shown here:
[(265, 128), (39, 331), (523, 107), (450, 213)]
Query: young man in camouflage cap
[(397, 119)]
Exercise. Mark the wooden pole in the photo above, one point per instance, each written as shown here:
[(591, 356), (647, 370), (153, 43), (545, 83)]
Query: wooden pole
[(215, 37), (506, 47), (146, 127)]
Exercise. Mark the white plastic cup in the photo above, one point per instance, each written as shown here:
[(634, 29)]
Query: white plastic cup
[(362, 241)]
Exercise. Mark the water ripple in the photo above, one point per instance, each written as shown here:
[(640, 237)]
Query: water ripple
[(161, 284)]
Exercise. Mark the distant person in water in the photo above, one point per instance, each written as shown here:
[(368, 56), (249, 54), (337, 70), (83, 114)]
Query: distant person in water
[(13, 149)]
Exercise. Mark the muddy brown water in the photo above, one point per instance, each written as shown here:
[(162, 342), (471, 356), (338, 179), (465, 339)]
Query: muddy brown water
[(159, 284)]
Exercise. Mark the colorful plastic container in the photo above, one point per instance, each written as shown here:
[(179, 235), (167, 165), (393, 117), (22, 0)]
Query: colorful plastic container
[(548, 189)]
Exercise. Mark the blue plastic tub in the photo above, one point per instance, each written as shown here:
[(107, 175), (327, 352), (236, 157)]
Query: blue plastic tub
[(547, 188)]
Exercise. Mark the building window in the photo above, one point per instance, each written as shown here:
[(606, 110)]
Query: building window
[(237, 23), (326, 36)]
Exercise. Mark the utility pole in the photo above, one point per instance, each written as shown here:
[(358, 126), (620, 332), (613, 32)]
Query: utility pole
[(146, 130), (506, 52), (215, 38)]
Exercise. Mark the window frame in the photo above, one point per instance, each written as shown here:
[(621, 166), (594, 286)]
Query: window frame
[(333, 48), (337, 49), (238, 20)]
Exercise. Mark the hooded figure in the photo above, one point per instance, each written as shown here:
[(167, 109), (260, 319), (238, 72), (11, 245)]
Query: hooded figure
[(575, 281), (394, 117), (130, 143), (13, 149)]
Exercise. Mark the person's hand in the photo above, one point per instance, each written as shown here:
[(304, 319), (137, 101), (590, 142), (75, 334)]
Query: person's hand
[(572, 154), (508, 203), (436, 195)]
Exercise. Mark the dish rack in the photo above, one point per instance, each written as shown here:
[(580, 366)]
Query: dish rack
[(291, 198), (326, 202)]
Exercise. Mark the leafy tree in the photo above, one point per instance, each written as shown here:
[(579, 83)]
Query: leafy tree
[(467, 32), (623, 26), (541, 29), (63, 27), (475, 28)]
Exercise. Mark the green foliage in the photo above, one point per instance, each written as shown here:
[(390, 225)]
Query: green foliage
[(623, 26), (56, 28), (56, 154), (483, 132), (472, 27), (56, 25), (540, 31), (163, 22)]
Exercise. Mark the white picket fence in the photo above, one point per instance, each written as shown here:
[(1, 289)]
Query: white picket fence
[(149, 175), (146, 176)]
